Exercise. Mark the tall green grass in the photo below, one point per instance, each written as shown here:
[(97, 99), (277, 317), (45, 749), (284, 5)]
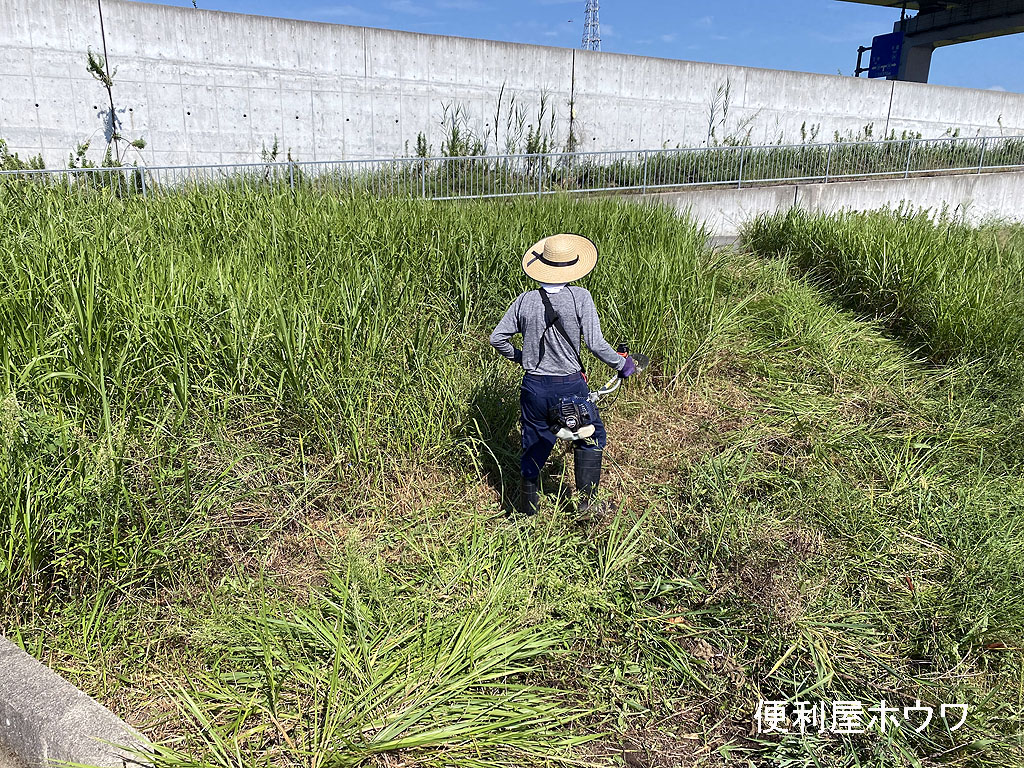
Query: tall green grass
[(143, 339), (182, 376), (956, 291), (248, 439)]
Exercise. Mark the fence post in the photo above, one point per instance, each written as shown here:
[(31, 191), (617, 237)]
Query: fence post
[(423, 178), (910, 150), (981, 155), (291, 176), (647, 161), (142, 177), (828, 161), (540, 168), (739, 180)]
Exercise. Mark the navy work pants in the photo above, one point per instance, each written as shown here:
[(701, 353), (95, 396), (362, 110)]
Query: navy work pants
[(537, 395)]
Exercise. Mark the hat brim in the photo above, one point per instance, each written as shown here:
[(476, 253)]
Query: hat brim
[(586, 260)]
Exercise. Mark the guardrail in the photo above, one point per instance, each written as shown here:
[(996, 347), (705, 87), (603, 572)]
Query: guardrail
[(448, 178)]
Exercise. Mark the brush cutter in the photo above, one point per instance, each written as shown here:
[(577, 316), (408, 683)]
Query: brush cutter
[(572, 418)]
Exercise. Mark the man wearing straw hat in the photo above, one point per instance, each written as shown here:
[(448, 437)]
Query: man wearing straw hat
[(551, 320)]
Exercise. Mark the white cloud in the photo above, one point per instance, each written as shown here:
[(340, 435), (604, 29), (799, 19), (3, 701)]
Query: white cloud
[(704, 21), (669, 38), (995, 88)]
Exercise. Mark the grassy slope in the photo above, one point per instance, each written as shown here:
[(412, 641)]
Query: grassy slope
[(951, 289), (807, 510)]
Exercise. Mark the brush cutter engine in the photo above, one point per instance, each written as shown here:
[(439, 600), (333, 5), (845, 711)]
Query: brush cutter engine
[(572, 418)]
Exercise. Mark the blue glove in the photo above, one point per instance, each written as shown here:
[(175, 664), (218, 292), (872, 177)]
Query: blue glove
[(628, 369)]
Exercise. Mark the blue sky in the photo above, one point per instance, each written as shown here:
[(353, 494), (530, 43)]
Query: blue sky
[(805, 35)]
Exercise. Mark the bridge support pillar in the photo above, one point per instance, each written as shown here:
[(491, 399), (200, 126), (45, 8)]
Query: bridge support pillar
[(915, 62), (951, 22)]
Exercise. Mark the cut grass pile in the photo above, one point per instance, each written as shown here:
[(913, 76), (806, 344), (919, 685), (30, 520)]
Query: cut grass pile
[(255, 451)]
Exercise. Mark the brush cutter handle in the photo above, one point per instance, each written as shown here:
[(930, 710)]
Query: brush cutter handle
[(642, 361)]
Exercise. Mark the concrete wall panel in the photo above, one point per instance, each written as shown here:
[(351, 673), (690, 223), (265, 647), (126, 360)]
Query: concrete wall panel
[(725, 211), (468, 63), (441, 64), (358, 125), (17, 61), (384, 61), (328, 109), (47, 27), (245, 78), (977, 198), (55, 122), (43, 63)]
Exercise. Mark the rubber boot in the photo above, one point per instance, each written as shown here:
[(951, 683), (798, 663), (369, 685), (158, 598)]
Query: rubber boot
[(587, 469), (529, 491)]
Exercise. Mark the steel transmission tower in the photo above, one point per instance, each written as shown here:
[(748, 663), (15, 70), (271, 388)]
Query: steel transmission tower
[(592, 28)]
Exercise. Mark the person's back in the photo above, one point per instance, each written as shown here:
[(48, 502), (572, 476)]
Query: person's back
[(551, 320), (547, 349)]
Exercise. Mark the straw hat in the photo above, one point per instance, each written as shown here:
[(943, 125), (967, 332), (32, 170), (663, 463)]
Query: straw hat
[(560, 259)]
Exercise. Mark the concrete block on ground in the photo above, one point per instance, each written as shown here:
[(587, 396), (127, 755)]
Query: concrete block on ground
[(45, 720)]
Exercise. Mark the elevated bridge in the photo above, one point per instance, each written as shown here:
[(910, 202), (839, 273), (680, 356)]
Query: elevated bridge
[(947, 22)]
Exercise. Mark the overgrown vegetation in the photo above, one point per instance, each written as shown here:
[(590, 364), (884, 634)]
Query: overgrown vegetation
[(9, 161), (513, 132), (256, 455), (954, 290)]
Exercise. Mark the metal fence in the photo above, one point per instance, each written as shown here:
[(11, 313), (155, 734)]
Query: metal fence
[(448, 178)]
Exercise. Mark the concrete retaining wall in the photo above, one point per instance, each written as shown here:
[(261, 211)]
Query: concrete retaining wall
[(205, 86), (976, 198), (45, 720)]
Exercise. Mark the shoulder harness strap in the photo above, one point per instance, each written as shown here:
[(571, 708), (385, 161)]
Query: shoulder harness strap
[(552, 320)]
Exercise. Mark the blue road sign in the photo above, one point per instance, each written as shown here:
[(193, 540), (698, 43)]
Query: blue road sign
[(885, 55)]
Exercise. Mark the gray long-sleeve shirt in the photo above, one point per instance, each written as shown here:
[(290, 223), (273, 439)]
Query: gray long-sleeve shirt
[(575, 306)]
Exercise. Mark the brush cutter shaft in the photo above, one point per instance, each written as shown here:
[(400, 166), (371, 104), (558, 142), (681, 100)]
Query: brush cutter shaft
[(613, 384), (610, 386)]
